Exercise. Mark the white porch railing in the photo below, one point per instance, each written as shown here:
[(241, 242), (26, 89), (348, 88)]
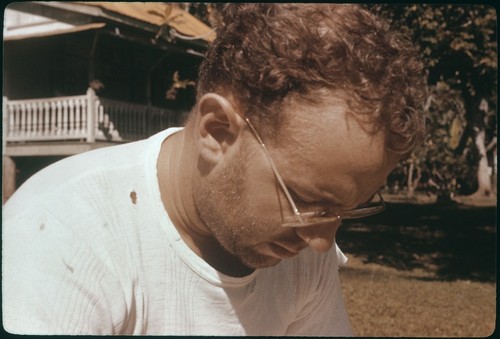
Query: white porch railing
[(46, 119), (83, 117)]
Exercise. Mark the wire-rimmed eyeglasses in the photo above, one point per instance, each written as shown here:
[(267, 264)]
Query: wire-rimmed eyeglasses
[(309, 218)]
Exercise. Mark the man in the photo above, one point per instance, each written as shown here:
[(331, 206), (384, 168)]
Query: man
[(227, 226)]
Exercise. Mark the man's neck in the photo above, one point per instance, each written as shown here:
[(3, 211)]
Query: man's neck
[(175, 173)]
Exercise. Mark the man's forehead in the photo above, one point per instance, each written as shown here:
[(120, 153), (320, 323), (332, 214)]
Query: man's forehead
[(325, 147), (306, 125)]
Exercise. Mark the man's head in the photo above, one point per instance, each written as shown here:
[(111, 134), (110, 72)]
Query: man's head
[(265, 53), (335, 97)]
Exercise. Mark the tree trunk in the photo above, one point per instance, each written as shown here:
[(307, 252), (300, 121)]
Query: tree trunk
[(483, 175), (411, 182), (411, 191)]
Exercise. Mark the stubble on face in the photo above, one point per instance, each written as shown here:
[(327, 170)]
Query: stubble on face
[(222, 204)]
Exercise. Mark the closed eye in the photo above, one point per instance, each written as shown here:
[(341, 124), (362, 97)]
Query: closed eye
[(298, 198), (304, 204)]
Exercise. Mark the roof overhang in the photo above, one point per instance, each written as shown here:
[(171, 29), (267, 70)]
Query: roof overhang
[(51, 31), (164, 20), (158, 14)]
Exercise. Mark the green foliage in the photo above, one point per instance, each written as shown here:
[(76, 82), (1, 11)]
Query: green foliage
[(203, 11), (438, 160), (458, 45), (458, 42), (441, 170)]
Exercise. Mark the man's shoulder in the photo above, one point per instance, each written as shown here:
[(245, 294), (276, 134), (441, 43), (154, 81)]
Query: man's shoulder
[(72, 169), (96, 168)]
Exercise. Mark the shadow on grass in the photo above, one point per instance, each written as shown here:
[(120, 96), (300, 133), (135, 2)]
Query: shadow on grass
[(452, 241)]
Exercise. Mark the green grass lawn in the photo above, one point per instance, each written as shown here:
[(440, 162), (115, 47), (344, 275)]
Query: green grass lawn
[(425, 270), (387, 302)]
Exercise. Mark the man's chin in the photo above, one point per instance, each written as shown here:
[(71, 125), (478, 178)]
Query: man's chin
[(260, 261)]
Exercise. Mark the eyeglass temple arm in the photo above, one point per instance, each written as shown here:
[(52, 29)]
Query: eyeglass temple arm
[(382, 201), (273, 166)]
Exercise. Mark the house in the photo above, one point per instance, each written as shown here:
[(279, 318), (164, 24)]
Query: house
[(84, 75)]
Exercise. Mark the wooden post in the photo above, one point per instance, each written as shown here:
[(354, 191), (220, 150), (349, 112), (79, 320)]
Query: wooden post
[(6, 125), (91, 98), (8, 178), (8, 165)]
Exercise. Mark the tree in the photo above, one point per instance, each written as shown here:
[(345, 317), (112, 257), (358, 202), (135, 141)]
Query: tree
[(458, 44), (202, 11)]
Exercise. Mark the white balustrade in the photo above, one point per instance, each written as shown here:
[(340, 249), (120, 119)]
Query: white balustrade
[(84, 117), (46, 119), (39, 117), (53, 111), (46, 115), (22, 126), (27, 126)]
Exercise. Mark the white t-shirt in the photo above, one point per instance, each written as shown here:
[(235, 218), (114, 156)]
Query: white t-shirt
[(88, 248)]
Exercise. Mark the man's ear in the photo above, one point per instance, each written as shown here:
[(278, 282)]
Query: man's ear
[(218, 128)]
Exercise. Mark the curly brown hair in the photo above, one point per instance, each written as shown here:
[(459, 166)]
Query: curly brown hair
[(265, 53)]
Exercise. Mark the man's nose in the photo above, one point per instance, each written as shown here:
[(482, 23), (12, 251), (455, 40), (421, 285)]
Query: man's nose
[(319, 237)]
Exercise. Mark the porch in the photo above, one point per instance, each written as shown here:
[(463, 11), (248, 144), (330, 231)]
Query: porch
[(74, 124), (37, 132)]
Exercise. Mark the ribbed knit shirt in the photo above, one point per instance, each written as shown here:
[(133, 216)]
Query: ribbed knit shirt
[(88, 248)]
